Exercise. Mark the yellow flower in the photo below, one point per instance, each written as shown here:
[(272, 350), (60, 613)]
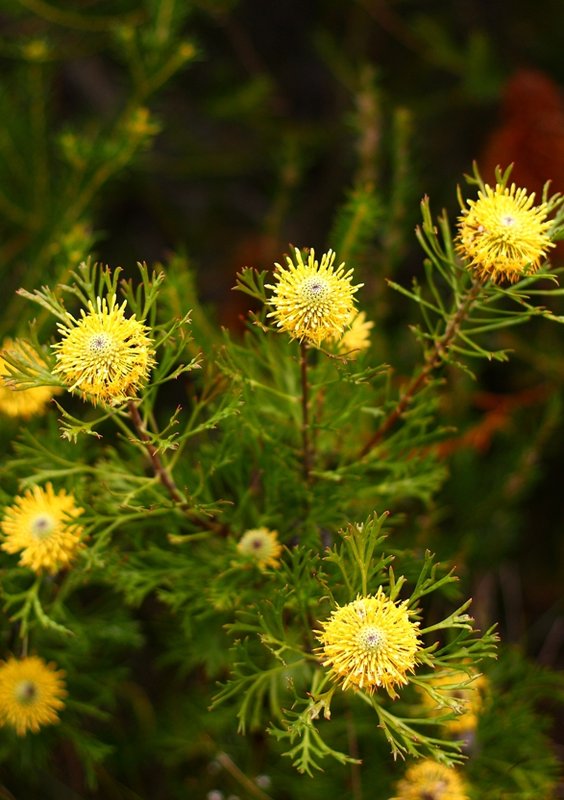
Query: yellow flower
[(35, 50), (312, 301), (104, 355), (429, 780), (357, 337), (469, 697), (503, 235), (24, 403), (31, 693), (369, 643), (39, 525), (262, 546), (140, 125)]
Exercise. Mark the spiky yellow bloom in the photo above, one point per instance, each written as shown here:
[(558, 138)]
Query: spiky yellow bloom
[(104, 355), (469, 698), (429, 780), (312, 300), (370, 643), (24, 403), (503, 234), (31, 693), (356, 338), (262, 546), (40, 525)]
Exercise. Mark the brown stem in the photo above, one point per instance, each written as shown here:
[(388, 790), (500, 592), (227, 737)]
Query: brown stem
[(251, 787), (25, 645), (305, 413), (166, 478), (158, 467), (356, 777), (433, 359)]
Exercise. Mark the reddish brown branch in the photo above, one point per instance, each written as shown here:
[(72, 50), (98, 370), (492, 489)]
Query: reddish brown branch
[(306, 443), (433, 360), (158, 467), (166, 478)]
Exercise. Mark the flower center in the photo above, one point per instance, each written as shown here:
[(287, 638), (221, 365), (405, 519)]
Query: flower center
[(26, 692), (371, 638), (100, 344), (508, 219), (436, 792), (315, 288), (42, 526)]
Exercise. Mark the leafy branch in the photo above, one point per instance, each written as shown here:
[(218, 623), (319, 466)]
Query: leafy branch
[(31, 610)]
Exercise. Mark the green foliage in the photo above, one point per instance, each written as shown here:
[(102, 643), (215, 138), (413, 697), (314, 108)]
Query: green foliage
[(186, 656), (517, 688), (167, 536), (284, 667)]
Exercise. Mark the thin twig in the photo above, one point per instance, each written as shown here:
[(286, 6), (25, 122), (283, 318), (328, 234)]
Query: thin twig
[(433, 359), (356, 775), (158, 467), (251, 787), (25, 645), (210, 523), (307, 454)]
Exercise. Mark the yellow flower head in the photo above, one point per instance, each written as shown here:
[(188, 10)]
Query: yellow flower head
[(503, 235), (35, 50), (369, 643), (104, 355), (140, 125), (24, 403), (262, 546), (470, 698), (31, 693), (39, 525), (356, 338), (312, 301), (429, 780)]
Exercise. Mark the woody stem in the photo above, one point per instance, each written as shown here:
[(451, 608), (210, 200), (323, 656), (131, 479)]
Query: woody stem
[(433, 359), (306, 444), (356, 779), (158, 467), (163, 474)]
